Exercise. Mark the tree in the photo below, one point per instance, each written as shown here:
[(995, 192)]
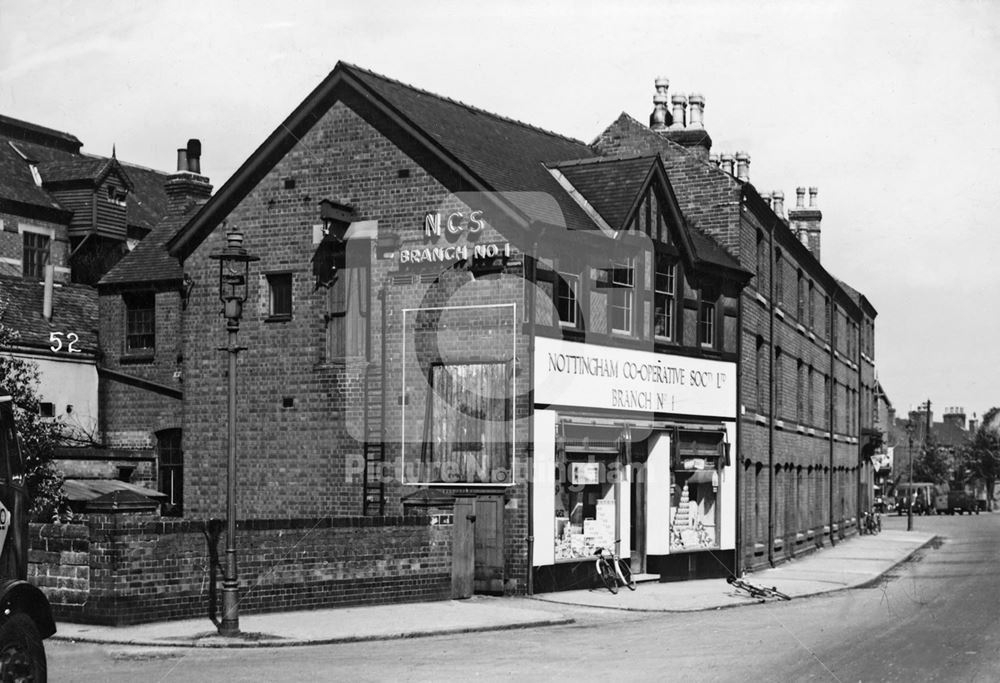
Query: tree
[(980, 457), (39, 437), (931, 464)]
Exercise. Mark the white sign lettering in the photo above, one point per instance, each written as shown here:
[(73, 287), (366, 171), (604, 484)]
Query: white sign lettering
[(591, 376)]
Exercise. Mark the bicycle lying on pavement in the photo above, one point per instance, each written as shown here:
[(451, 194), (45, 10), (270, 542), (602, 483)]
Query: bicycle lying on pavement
[(612, 572), (755, 591)]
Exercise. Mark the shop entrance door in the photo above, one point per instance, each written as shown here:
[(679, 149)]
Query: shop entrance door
[(489, 575), (637, 527)]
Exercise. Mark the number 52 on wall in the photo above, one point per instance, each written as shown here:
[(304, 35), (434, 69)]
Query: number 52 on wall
[(55, 338)]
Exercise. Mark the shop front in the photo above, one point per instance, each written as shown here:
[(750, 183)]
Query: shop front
[(631, 453)]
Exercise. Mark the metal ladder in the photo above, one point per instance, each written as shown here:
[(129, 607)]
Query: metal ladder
[(373, 502)]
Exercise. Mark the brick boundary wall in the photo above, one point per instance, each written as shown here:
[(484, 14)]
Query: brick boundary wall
[(116, 570)]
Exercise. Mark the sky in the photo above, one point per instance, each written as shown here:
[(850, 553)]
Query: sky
[(890, 108)]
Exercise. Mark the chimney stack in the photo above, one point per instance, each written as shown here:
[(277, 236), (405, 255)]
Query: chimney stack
[(696, 111), (660, 118), (805, 220), (187, 185), (679, 102), (726, 162), (778, 203), (743, 166)]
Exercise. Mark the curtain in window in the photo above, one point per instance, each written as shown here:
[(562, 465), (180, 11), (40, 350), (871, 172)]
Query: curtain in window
[(467, 427)]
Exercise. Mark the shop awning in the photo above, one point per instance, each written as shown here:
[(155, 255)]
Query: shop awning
[(700, 477)]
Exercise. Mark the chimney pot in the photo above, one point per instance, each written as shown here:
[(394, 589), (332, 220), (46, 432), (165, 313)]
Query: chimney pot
[(182, 160), (713, 159), (194, 155), (726, 162), (813, 191), (679, 102), (696, 111), (662, 83), (800, 197), (743, 166), (778, 203), (766, 196), (658, 119)]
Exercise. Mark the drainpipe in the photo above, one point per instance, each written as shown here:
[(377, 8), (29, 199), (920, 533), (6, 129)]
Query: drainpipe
[(832, 313), (531, 412), (735, 457), (772, 405)]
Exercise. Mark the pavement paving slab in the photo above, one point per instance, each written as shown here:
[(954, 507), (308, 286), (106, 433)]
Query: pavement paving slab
[(855, 562)]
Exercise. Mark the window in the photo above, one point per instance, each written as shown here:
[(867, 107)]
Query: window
[(812, 307), (761, 260), (779, 394), (35, 256), (800, 390), (170, 471), (567, 293), (779, 280), (467, 430), (279, 287), (46, 409), (140, 322), (116, 195), (347, 313), (810, 402), (698, 456), (706, 317), (622, 295), (664, 299), (800, 304), (761, 375)]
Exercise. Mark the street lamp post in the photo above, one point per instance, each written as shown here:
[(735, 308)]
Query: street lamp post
[(234, 276), (909, 492)]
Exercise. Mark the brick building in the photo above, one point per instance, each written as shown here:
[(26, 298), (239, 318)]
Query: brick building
[(806, 340), (620, 343), (69, 215)]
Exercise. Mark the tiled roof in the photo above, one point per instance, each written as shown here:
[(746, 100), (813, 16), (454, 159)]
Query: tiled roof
[(147, 203), (25, 130), (507, 155), (74, 310), (150, 261), (16, 181), (949, 434), (610, 185)]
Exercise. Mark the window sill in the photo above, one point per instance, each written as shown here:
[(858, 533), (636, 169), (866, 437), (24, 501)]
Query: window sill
[(137, 357), (278, 319)]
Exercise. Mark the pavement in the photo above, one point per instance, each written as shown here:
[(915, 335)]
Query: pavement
[(856, 562)]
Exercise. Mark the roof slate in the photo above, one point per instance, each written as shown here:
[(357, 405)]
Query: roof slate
[(74, 310), (150, 261), (610, 185)]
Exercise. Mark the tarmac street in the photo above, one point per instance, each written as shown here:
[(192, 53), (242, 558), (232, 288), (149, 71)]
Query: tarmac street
[(896, 606)]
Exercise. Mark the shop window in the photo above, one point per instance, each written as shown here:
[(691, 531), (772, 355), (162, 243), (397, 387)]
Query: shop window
[(279, 287), (35, 255), (467, 432), (347, 313), (567, 298), (170, 471), (622, 282), (585, 506), (706, 317), (665, 299), (694, 494), (140, 322)]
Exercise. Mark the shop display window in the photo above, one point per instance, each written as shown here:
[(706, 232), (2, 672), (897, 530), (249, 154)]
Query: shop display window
[(694, 491), (585, 507)]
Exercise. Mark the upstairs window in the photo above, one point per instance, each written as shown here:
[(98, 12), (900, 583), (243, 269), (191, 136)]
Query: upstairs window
[(140, 322), (567, 296), (779, 280), (347, 314), (706, 317), (623, 295), (800, 309), (35, 256), (279, 286), (761, 261), (664, 299)]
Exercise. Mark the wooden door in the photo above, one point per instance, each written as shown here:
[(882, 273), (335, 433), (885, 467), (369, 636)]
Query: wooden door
[(463, 548), (489, 556)]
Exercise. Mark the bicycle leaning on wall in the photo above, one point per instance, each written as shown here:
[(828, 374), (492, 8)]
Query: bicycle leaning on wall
[(612, 571)]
